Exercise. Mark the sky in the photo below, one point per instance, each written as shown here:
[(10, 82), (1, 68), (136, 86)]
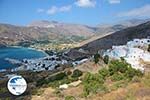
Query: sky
[(88, 12)]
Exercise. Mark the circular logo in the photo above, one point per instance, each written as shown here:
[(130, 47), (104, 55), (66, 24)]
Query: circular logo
[(17, 85)]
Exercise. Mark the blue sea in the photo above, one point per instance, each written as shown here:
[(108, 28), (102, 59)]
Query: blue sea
[(17, 53)]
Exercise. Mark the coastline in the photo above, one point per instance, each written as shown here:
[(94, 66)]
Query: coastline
[(20, 47), (28, 48)]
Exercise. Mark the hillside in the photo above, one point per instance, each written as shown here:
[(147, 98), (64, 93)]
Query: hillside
[(117, 38)]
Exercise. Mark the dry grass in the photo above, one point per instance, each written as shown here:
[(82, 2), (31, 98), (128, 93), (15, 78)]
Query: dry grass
[(135, 90)]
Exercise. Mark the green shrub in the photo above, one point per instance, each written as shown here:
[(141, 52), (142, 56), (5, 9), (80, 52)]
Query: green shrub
[(93, 87), (93, 83), (121, 70), (117, 77), (70, 98), (76, 73), (104, 72), (118, 66), (106, 59), (58, 76), (93, 77), (50, 79), (131, 72)]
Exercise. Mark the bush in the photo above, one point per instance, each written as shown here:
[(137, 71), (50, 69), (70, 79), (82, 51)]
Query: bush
[(52, 78), (120, 70), (104, 72), (96, 58), (93, 83), (131, 72), (93, 87), (58, 76), (76, 73), (70, 98), (106, 59), (117, 77), (118, 66)]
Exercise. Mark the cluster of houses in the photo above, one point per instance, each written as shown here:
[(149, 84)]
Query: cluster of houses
[(134, 52), (39, 64), (47, 63)]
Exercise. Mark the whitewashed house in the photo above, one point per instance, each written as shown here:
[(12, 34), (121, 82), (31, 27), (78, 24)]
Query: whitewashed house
[(133, 57), (138, 42), (116, 52), (131, 52)]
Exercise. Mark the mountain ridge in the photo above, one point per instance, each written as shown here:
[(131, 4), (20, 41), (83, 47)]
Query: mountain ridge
[(52, 30)]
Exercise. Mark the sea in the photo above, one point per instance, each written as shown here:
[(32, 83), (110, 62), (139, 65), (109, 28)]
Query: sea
[(18, 53)]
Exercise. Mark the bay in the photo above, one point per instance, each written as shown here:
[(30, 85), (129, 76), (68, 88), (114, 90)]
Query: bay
[(18, 53)]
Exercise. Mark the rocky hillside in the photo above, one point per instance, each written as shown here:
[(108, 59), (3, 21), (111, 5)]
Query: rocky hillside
[(117, 38)]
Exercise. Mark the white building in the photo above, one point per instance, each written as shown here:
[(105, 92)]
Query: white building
[(133, 57), (116, 52), (131, 53), (138, 42)]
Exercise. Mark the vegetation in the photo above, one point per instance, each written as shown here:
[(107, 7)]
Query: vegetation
[(117, 71), (148, 48), (93, 83), (104, 72), (106, 59), (76, 73), (70, 98), (117, 77), (59, 79), (96, 58), (53, 78)]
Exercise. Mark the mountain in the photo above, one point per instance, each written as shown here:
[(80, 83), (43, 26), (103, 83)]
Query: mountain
[(111, 28), (133, 22), (43, 30), (11, 34), (117, 38), (64, 28)]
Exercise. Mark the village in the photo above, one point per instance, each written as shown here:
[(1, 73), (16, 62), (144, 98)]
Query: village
[(49, 62), (134, 52)]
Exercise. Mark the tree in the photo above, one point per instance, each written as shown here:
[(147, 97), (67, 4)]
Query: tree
[(96, 58), (76, 73), (148, 48), (106, 59)]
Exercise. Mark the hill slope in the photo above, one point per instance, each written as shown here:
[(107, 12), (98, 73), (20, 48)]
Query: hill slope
[(117, 38)]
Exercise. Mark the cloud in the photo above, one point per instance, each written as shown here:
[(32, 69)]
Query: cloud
[(86, 3), (40, 10), (55, 9), (137, 12), (52, 10), (65, 8), (114, 1)]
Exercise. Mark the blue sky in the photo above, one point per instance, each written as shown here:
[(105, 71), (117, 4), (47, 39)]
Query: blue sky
[(89, 12)]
